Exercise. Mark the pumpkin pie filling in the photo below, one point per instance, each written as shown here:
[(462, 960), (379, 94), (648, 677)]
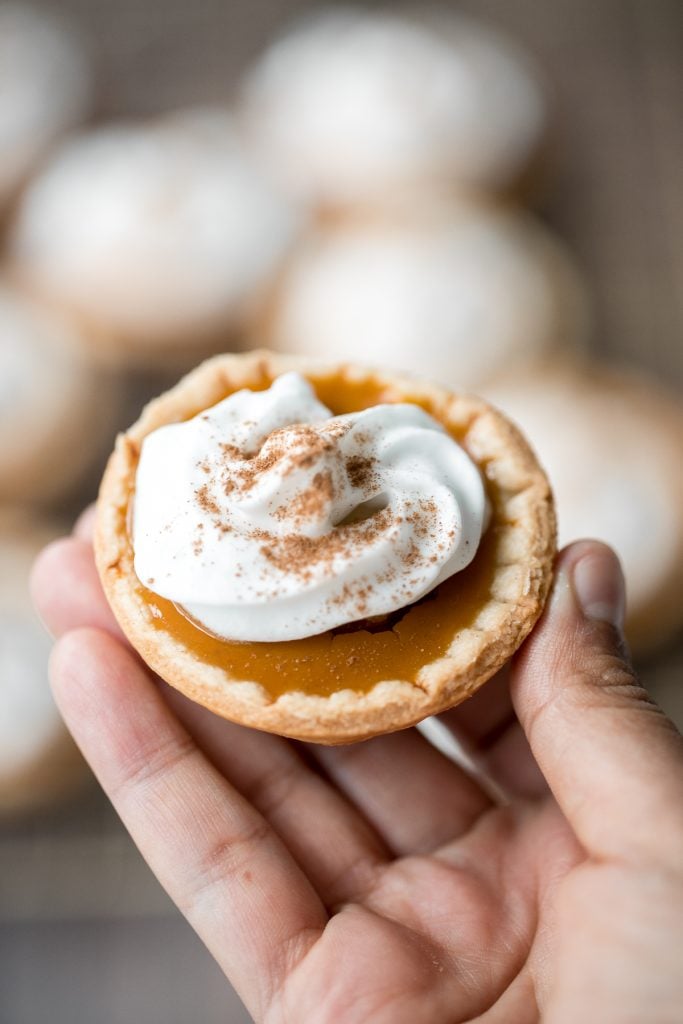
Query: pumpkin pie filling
[(343, 659), (356, 656)]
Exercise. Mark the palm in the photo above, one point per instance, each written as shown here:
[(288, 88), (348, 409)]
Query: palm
[(445, 935), (435, 899), (381, 882)]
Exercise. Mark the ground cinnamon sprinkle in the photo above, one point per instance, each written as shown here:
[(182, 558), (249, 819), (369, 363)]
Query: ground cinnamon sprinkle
[(210, 506), (206, 501), (198, 542), (298, 554), (361, 470), (316, 447), (412, 556), (311, 503), (296, 446), (425, 518)]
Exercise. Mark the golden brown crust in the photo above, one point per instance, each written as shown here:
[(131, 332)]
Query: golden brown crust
[(525, 548)]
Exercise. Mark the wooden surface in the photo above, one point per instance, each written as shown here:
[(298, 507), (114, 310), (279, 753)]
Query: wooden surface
[(86, 934)]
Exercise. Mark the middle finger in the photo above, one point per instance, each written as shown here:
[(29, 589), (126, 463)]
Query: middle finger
[(415, 797)]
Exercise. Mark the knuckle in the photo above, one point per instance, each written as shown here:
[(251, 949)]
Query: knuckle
[(355, 882), (221, 860), (601, 677), (587, 678), (146, 766), (272, 787)]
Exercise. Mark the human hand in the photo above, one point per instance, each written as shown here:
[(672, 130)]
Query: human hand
[(379, 882)]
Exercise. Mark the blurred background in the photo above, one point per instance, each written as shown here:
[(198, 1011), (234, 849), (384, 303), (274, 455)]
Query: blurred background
[(487, 193)]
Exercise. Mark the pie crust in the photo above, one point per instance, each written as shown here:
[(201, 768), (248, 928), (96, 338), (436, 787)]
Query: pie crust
[(500, 600)]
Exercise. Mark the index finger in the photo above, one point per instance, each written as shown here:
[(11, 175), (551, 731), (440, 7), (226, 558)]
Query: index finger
[(84, 526)]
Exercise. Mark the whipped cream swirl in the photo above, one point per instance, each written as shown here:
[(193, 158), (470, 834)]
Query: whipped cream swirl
[(266, 518)]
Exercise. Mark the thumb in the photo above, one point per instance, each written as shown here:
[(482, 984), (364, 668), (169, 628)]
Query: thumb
[(612, 759)]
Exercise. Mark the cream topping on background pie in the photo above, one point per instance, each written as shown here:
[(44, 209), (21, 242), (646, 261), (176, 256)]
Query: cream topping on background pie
[(352, 104), (157, 232), (45, 88), (56, 411), (459, 292)]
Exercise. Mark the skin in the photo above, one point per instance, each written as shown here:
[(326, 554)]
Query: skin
[(380, 882)]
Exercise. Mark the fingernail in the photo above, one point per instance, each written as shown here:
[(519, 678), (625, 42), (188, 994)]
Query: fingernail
[(41, 621), (599, 587)]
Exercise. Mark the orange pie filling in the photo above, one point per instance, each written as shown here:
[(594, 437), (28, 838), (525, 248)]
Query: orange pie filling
[(359, 655)]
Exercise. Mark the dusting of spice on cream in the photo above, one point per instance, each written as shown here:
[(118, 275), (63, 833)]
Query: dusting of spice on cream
[(267, 518)]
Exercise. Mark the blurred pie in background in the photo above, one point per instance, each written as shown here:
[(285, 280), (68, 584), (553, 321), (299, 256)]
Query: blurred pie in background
[(38, 760), (158, 236), (459, 293), (351, 105), (611, 443), (45, 89), (56, 411)]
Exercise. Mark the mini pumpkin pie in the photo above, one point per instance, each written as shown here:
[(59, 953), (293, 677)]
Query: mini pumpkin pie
[(39, 762), (611, 440), (351, 105), (323, 551), (156, 235), (458, 291), (56, 412), (45, 89)]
